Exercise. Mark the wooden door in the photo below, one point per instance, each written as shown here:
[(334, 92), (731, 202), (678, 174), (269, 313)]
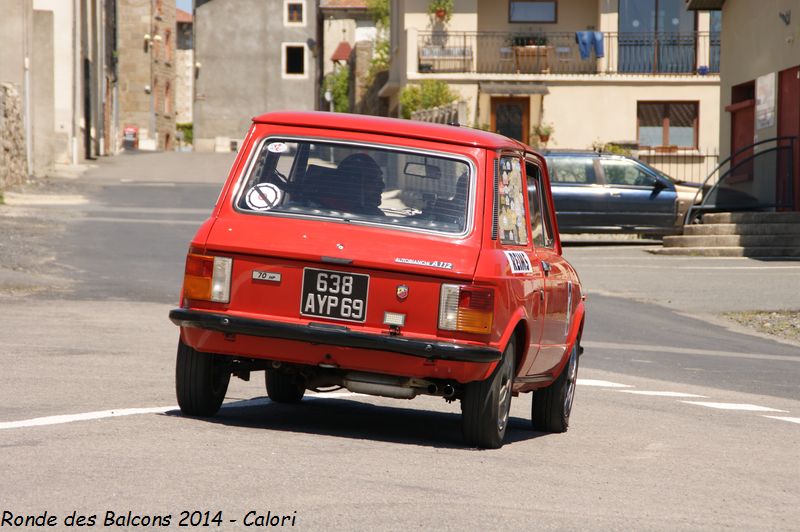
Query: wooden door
[(743, 115), (789, 126), (511, 117)]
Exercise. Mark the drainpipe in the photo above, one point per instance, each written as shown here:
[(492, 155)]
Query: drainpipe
[(76, 13), (27, 91)]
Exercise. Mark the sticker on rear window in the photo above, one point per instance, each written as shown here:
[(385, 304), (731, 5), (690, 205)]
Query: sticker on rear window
[(263, 197), (519, 262), (278, 147)]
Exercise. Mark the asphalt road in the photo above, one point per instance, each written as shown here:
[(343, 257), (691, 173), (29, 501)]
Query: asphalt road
[(681, 421)]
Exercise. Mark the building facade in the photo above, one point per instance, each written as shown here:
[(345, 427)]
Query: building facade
[(265, 57), (59, 57), (184, 67), (760, 97), (146, 67), (638, 72)]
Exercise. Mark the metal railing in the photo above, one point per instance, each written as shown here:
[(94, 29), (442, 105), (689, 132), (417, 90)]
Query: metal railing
[(562, 53), (756, 177)]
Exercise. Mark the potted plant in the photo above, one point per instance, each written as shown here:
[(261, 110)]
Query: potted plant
[(543, 130), (441, 9)]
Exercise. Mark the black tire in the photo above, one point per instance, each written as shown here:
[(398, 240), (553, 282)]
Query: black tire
[(201, 380), (284, 387), (552, 405), (486, 404)]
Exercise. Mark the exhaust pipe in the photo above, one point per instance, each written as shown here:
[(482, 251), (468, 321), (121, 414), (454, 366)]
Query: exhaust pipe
[(382, 385), (433, 389), (448, 392)]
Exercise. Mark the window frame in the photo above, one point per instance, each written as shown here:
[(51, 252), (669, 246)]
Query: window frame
[(303, 11), (285, 63), (544, 207), (665, 140), (533, 21), (259, 145)]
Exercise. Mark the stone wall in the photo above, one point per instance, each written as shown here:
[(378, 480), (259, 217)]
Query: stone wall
[(13, 161)]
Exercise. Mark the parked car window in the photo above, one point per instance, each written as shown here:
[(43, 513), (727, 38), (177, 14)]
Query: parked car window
[(577, 170), (511, 203), (411, 190), (541, 232), (620, 172)]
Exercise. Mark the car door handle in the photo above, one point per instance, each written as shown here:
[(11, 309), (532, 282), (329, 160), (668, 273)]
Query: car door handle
[(615, 194), (546, 267)]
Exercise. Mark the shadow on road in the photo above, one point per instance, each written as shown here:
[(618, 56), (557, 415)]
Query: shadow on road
[(357, 420)]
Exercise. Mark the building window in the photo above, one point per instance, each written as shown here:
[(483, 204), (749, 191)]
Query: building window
[(294, 60), (668, 123), (294, 12), (168, 46), (168, 99), (532, 11)]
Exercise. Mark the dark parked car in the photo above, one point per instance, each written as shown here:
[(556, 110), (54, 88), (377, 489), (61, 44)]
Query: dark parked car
[(604, 193)]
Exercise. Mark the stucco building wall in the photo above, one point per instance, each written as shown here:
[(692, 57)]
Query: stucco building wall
[(242, 68)]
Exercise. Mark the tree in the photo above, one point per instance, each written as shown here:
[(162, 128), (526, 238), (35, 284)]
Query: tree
[(428, 94)]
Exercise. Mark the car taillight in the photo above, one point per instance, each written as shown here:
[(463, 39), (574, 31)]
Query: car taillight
[(207, 278), (466, 308)]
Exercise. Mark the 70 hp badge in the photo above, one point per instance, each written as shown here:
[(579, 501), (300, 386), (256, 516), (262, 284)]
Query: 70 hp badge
[(266, 276)]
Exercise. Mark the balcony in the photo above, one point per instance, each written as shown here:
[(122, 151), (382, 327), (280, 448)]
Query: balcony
[(581, 53)]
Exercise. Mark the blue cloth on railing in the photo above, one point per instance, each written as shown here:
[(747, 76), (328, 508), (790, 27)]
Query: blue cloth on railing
[(598, 44), (588, 41), (584, 40)]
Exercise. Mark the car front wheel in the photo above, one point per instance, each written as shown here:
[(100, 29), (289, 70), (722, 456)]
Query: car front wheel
[(201, 380), (552, 405), (486, 404)]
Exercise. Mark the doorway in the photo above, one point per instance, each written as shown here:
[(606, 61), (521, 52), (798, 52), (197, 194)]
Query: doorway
[(511, 117)]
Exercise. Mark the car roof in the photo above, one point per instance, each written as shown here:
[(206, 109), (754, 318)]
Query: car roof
[(406, 128)]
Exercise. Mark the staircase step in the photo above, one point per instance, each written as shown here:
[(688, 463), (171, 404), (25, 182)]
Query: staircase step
[(761, 252), (751, 217), (783, 241), (742, 229)]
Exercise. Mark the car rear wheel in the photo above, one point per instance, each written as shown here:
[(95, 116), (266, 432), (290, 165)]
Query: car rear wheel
[(486, 404), (284, 387), (552, 405), (201, 380)]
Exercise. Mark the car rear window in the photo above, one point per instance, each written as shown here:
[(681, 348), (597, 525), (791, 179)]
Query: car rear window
[(358, 183)]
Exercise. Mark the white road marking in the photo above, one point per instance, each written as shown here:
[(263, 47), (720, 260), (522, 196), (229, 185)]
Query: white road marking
[(789, 419), (685, 351), (734, 406), (69, 418), (663, 394), (139, 220), (102, 414), (603, 384)]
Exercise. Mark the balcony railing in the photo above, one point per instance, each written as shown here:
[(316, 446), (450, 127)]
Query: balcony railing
[(568, 53)]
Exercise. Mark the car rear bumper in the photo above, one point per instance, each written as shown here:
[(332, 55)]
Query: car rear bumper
[(337, 335)]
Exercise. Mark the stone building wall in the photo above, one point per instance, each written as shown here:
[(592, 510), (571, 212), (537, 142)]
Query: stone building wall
[(13, 161), (147, 56), (184, 94)]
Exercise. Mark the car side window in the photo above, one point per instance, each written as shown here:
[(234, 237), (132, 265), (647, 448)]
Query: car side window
[(511, 221), (572, 170), (542, 233), (626, 173)]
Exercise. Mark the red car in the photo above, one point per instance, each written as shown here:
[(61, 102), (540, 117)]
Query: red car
[(388, 257)]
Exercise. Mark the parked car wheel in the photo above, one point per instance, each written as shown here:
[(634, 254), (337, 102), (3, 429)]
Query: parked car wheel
[(552, 405), (283, 387), (486, 404), (201, 380)]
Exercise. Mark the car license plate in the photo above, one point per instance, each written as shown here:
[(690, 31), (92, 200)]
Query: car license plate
[(335, 295)]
